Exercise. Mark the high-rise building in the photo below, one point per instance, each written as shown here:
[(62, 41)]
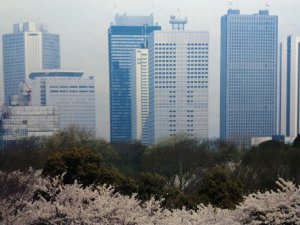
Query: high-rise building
[(127, 34), (30, 47), (293, 91), (70, 92), (248, 97), (140, 95), (178, 81)]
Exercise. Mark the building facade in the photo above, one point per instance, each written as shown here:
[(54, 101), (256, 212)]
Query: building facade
[(127, 34), (249, 56), (140, 95), (30, 47), (178, 84), (70, 92), (19, 122), (293, 93)]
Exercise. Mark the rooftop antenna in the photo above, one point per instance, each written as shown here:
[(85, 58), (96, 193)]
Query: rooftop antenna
[(153, 6), (237, 4), (177, 23), (267, 4), (230, 4), (115, 7)]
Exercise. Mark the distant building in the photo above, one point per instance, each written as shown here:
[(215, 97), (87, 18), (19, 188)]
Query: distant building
[(70, 92), (127, 34), (19, 122), (140, 95), (30, 47), (248, 97), (255, 141), (293, 87), (178, 93)]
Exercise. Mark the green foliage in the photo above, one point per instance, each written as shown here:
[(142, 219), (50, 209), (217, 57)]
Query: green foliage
[(175, 199), (178, 159), (296, 142), (180, 170), (218, 189), (77, 164), (130, 156), (75, 137), (262, 165), (224, 152), (23, 154), (85, 166), (150, 185)]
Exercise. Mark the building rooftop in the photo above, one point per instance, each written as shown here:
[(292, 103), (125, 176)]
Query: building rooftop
[(264, 12), (124, 20), (29, 27), (56, 73)]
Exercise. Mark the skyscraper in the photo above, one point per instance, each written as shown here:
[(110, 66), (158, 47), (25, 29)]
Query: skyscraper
[(249, 48), (178, 93), (30, 47), (293, 81), (140, 95), (127, 34)]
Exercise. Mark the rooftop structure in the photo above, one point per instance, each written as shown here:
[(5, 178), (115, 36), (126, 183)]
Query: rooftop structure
[(125, 20), (177, 23)]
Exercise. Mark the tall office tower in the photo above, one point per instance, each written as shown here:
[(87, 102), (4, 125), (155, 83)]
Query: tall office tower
[(293, 81), (30, 47), (249, 49), (178, 80), (67, 89), (127, 34), (140, 95)]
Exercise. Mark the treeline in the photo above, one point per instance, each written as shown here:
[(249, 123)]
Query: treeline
[(182, 171)]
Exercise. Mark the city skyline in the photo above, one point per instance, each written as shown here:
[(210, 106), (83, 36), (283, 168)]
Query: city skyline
[(93, 22)]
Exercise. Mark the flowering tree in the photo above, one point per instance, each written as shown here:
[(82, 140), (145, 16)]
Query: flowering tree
[(43, 201)]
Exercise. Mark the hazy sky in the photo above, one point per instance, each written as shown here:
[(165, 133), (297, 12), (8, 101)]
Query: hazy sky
[(82, 26)]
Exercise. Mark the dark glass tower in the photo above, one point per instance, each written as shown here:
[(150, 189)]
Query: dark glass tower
[(127, 34)]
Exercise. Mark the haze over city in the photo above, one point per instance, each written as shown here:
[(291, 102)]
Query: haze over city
[(83, 24)]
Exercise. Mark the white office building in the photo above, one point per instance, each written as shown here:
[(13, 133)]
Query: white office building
[(140, 95), (67, 89), (30, 47), (178, 80)]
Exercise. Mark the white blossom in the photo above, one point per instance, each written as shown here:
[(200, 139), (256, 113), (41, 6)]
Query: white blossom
[(49, 201)]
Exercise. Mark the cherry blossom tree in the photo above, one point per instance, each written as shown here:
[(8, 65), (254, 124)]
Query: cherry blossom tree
[(37, 200)]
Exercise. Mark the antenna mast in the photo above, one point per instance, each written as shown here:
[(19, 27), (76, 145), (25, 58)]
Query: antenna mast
[(230, 4), (267, 4), (177, 23)]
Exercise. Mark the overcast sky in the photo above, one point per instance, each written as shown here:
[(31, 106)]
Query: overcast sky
[(82, 26)]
